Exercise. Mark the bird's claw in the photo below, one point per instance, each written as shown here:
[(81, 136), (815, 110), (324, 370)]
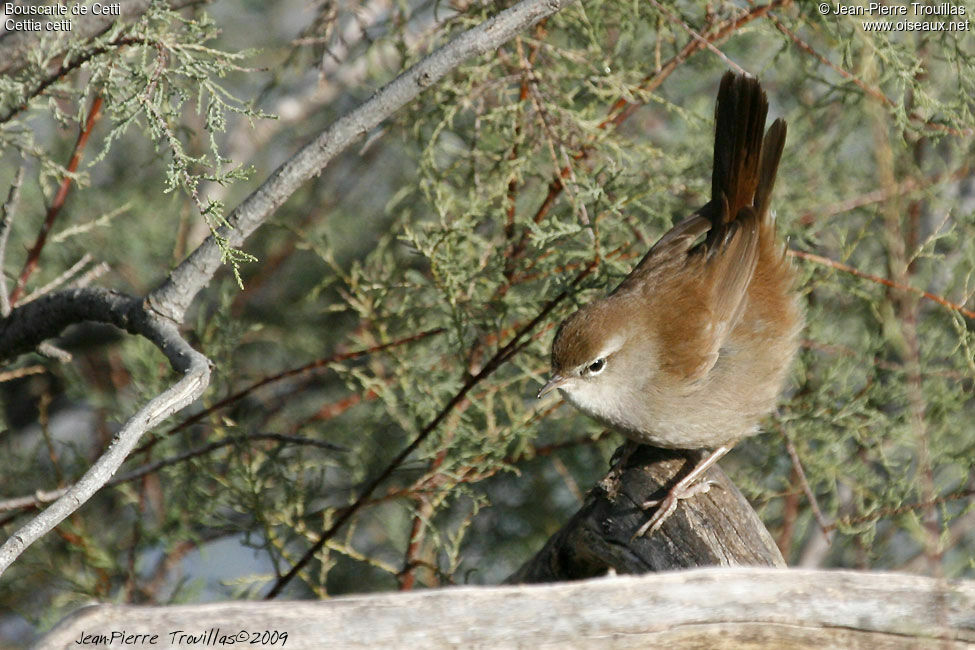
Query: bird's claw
[(667, 505)]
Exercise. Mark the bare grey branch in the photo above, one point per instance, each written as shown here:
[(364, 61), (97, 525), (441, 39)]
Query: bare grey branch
[(66, 307), (6, 218)]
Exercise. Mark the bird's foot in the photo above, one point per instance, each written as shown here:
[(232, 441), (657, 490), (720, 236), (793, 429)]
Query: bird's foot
[(687, 487), (667, 505)]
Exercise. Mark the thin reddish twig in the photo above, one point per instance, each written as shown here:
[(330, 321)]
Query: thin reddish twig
[(800, 474), (424, 509), (840, 266), (790, 513), (883, 194), (547, 450), (695, 35), (899, 510), (509, 226), (41, 497), (55, 208)]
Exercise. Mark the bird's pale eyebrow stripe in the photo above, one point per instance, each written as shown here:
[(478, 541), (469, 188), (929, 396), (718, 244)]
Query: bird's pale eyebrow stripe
[(613, 345)]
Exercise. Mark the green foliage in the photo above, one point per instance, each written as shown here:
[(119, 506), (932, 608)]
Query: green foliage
[(157, 75), (410, 264)]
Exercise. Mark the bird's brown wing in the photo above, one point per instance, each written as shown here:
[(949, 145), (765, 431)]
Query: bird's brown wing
[(695, 309), (669, 253)]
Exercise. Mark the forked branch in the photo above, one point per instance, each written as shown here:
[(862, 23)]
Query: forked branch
[(159, 314)]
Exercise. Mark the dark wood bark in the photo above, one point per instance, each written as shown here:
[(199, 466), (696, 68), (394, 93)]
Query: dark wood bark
[(718, 528)]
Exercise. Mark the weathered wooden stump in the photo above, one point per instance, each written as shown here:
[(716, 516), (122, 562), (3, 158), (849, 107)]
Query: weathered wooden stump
[(718, 528)]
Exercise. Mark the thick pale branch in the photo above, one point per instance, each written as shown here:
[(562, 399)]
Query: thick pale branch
[(46, 317), (704, 608)]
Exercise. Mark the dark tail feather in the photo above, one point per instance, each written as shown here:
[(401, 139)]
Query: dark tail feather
[(771, 154), (739, 127)]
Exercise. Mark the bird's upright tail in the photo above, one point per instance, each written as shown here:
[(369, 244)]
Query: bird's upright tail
[(745, 157)]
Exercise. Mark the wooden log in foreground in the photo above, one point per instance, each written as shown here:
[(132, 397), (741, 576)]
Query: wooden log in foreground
[(701, 608)]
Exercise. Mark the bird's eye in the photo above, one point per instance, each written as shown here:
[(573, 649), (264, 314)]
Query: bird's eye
[(596, 367)]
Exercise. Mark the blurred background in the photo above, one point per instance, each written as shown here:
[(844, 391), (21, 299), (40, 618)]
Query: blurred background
[(352, 318)]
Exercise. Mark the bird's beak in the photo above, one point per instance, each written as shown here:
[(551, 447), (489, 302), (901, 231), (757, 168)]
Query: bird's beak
[(553, 383)]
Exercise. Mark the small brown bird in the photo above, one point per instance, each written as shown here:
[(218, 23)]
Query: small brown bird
[(692, 349)]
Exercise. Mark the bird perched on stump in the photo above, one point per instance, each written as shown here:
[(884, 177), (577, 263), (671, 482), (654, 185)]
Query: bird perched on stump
[(691, 350)]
